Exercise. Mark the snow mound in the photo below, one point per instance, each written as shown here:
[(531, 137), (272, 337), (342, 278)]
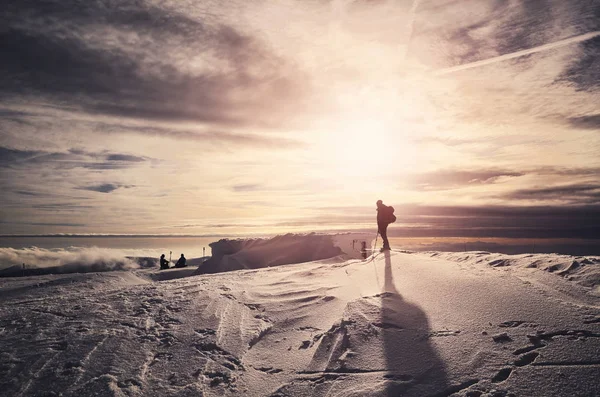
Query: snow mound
[(584, 271), (238, 254)]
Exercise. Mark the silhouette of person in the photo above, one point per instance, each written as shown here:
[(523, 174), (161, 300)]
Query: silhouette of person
[(164, 264), (181, 261), (385, 216)]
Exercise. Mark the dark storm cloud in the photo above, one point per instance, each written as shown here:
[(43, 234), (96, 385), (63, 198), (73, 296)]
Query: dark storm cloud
[(105, 187), (74, 158), (587, 122), (575, 193), (46, 50), (458, 178)]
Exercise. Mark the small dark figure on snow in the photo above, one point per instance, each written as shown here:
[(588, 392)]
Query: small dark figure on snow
[(363, 249), (181, 261), (385, 216), (164, 264)]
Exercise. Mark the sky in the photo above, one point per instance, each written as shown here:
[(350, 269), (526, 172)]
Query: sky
[(472, 117)]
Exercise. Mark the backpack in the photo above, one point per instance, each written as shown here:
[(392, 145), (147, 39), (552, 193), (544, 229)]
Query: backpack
[(392, 217)]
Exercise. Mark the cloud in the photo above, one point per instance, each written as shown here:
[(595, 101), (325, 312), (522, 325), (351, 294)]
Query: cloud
[(125, 158), (246, 188), (74, 158), (446, 141), (585, 70), (591, 122), (573, 194), (9, 113), (114, 60), (45, 224), (212, 138), (105, 187), (565, 171), (222, 139), (62, 207), (438, 180), (493, 28), (29, 193)]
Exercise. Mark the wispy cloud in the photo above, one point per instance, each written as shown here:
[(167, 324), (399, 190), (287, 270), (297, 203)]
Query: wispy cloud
[(62, 207), (65, 224), (591, 122), (105, 187), (584, 71), (110, 63), (246, 188), (125, 158), (445, 179), (572, 194), (517, 54), (12, 158)]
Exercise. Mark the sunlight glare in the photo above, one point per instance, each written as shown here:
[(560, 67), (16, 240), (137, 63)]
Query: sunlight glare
[(364, 147)]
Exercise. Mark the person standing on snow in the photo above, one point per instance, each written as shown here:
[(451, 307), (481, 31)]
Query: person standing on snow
[(385, 216)]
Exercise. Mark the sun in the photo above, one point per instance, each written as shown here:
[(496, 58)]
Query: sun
[(362, 147)]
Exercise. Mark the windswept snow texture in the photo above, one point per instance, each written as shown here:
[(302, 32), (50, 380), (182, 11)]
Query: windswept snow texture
[(582, 270), (228, 255), (395, 324)]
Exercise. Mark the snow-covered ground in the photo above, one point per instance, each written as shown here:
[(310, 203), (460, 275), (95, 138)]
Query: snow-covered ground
[(396, 324)]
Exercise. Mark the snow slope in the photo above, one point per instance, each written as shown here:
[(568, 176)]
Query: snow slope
[(399, 323)]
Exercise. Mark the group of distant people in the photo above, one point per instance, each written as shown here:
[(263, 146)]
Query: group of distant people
[(164, 263)]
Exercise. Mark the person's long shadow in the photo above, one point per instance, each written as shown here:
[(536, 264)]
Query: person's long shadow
[(413, 365)]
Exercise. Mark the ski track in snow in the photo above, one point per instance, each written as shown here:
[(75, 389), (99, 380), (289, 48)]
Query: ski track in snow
[(400, 323)]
